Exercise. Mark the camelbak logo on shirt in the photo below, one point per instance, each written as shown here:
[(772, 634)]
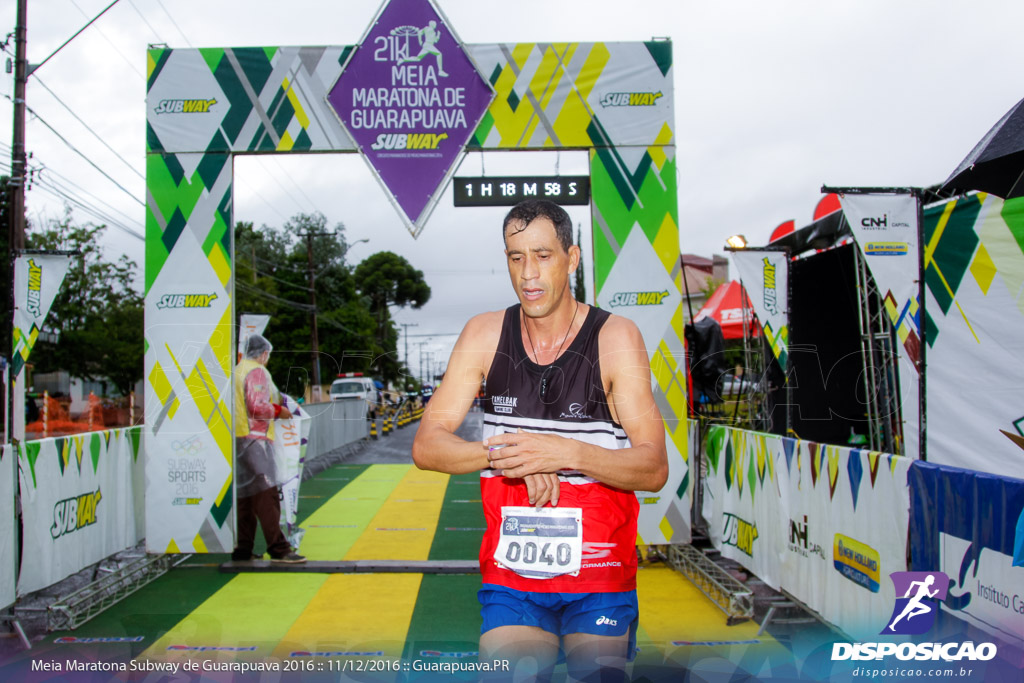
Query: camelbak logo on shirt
[(504, 404)]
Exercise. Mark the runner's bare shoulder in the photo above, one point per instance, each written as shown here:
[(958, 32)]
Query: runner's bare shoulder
[(482, 332)]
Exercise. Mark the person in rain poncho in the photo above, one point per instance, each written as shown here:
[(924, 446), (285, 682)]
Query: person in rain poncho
[(257, 405)]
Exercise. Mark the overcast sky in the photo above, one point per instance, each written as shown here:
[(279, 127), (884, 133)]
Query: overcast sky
[(772, 99)]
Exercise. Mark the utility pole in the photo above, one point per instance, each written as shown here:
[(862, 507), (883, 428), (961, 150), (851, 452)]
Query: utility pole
[(314, 339), (405, 333), (15, 191), (19, 167)]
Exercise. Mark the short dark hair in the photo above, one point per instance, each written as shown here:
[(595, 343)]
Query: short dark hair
[(529, 210)]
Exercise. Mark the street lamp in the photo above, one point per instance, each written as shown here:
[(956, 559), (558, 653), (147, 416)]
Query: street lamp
[(736, 242), (349, 247)]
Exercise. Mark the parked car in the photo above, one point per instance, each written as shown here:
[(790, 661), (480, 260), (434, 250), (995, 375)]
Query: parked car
[(353, 386)]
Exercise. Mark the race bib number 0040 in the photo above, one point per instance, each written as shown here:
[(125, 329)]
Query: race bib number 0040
[(540, 544)]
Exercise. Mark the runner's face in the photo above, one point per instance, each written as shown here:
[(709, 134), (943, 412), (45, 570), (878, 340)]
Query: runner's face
[(539, 266)]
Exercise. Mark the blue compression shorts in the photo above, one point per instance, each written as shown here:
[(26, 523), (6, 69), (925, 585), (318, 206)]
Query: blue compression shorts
[(600, 614)]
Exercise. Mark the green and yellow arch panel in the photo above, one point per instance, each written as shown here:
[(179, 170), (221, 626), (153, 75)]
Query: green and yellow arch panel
[(206, 105)]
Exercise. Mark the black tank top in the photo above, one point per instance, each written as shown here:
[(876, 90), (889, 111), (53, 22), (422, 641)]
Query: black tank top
[(568, 390)]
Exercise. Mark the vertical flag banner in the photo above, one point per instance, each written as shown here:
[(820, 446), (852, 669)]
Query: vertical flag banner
[(765, 276), (885, 227), (248, 325), (8, 554), (37, 279), (974, 284)]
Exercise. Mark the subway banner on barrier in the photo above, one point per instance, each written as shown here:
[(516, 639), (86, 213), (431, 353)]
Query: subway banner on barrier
[(37, 279), (968, 525), (8, 554), (885, 227), (827, 524), (78, 503), (765, 277), (389, 99)]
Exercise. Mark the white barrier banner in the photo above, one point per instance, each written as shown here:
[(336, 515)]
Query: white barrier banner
[(7, 552), (885, 227), (78, 503), (765, 277), (827, 524)]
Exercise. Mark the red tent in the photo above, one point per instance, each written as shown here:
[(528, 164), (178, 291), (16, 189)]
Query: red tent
[(726, 307)]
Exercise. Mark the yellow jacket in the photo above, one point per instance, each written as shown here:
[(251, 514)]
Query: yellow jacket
[(244, 421)]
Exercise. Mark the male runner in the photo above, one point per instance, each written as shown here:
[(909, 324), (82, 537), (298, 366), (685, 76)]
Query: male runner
[(570, 431)]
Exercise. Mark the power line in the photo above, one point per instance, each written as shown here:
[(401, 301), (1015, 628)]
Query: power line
[(131, 64), (95, 134), (104, 218), (78, 189), (76, 32), (277, 279), (82, 154), (174, 22), (259, 292), (143, 17)]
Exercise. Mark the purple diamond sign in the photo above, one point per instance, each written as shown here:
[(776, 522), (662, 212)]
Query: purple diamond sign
[(411, 98)]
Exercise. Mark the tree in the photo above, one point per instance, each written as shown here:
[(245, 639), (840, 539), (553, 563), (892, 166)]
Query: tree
[(387, 279), (97, 311), (580, 288)]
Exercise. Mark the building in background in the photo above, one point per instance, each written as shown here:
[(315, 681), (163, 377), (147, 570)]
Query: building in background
[(702, 277)]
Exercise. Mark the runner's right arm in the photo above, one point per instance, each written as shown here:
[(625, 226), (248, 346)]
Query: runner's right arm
[(436, 447)]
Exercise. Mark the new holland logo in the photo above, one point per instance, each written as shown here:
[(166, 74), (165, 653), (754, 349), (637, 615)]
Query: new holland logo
[(186, 300), (35, 289), (857, 561), (408, 141), (630, 99), (638, 298), (184, 106), (886, 248), (72, 514)]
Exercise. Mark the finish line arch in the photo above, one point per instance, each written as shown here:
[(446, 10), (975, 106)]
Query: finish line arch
[(206, 105)]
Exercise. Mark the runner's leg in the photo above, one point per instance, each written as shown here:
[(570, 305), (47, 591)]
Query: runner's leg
[(592, 658), (531, 652)]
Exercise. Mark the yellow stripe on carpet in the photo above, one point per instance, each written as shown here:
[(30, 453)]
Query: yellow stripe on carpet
[(404, 527), (677, 621), (337, 524), (252, 610), (356, 613)]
